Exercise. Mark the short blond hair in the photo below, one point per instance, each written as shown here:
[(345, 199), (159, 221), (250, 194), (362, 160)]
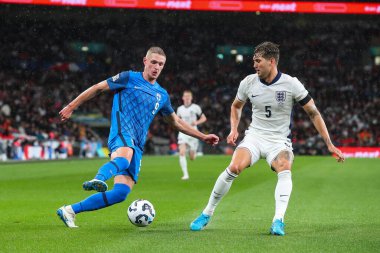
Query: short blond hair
[(188, 91), (155, 50)]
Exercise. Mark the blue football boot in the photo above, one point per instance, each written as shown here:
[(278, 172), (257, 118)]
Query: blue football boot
[(277, 228), (200, 222)]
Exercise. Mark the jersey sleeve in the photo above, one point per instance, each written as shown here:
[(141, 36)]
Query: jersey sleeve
[(119, 81), (241, 93), (167, 108), (298, 90), (199, 111), (179, 111)]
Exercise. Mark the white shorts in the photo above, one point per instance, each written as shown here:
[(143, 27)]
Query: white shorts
[(261, 147), (188, 140)]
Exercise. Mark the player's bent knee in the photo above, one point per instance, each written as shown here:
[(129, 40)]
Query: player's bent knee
[(283, 161), (124, 179), (285, 155), (282, 165), (235, 168)]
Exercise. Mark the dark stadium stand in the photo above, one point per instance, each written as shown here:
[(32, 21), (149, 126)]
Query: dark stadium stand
[(45, 63)]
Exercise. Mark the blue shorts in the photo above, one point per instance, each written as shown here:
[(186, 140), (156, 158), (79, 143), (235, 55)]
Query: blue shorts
[(135, 164)]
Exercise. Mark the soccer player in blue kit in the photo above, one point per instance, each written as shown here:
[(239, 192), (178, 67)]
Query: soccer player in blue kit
[(137, 99)]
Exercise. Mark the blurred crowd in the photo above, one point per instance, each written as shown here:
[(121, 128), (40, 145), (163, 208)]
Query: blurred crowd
[(42, 69)]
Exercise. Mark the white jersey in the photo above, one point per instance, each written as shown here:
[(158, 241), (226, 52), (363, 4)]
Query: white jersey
[(190, 113), (271, 104)]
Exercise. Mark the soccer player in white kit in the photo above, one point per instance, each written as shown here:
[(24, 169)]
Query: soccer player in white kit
[(193, 115), (272, 95)]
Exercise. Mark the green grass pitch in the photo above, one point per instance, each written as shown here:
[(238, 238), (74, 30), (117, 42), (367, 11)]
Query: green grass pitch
[(334, 208)]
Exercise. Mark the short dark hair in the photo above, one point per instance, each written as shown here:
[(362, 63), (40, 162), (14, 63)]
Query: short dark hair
[(268, 50), (156, 50)]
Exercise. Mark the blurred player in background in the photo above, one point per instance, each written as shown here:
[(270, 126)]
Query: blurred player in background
[(272, 95), (137, 99), (192, 114)]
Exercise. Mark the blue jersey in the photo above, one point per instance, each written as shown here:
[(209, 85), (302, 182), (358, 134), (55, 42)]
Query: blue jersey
[(136, 102)]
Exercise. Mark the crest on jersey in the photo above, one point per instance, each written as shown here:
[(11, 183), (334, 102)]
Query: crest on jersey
[(280, 96), (115, 78)]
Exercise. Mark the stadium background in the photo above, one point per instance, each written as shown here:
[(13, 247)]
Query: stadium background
[(50, 54)]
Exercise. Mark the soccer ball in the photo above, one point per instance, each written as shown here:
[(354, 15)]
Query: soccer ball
[(141, 213)]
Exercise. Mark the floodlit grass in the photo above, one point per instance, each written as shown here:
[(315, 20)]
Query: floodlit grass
[(334, 208)]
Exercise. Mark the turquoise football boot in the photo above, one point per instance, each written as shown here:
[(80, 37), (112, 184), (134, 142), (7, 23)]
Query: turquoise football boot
[(200, 223), (277, 228)]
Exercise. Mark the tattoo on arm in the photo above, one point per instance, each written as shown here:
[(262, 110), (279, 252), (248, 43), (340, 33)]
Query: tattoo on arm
[(321, 127), (313, 112)]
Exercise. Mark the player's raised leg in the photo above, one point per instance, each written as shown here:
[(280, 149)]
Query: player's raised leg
[(122, 186), (183, 161), (282, 164), (240, 160), (124, 179), (119, 162)]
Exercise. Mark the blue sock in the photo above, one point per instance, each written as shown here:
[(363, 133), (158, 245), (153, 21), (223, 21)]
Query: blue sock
[(102, 199), (111, 168)]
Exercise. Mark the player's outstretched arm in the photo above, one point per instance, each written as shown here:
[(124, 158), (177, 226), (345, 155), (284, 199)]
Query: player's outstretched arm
[(320, 125), (185, 128), (91, 92), (236, 108)]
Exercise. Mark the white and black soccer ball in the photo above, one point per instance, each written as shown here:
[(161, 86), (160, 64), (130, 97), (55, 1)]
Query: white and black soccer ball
[(141, 213)]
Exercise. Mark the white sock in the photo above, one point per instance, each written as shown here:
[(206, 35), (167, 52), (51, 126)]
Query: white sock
[(222, 185), (183, 163), (282, 193)]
